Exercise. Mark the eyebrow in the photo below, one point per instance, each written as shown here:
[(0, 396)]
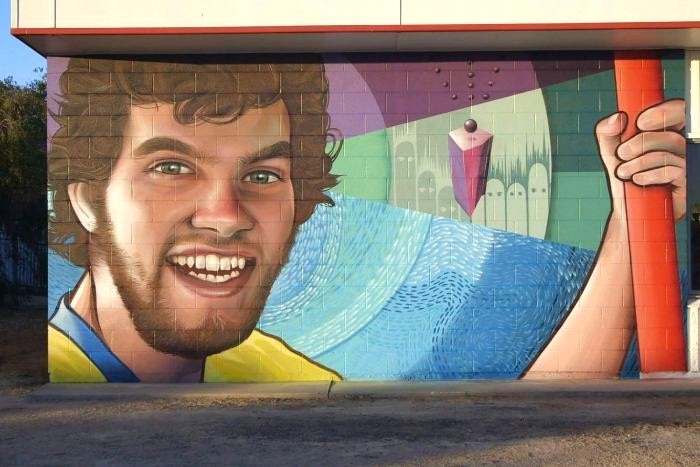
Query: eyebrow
[(279, 149), (163, 144)]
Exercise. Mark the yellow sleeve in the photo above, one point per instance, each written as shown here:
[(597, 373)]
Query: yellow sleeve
[(264, 358), (68, 363)]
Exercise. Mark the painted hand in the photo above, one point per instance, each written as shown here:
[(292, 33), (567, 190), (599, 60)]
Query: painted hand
[(654, 156)]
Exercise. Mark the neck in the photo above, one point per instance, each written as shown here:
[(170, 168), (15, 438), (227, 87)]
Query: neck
[(106, 314)]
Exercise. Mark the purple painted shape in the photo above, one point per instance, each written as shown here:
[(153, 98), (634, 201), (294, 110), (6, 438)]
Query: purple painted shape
[(345, 80), (363, 103), (469, 162), (488, 81), (419, 81), (394, 92), (408, 102), (430, 64), (387, 81), (348, 98), (368, 65)]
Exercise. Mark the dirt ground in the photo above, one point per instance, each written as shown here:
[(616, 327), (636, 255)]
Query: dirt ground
[(457, 431), (531, 429), (23, 342)]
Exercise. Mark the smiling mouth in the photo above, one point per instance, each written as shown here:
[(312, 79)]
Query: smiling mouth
[(212, 268)]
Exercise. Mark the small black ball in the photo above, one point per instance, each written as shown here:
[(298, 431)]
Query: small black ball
[(470, 125)]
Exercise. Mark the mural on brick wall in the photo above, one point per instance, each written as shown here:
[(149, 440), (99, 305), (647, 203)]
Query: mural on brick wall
[(362, 217)]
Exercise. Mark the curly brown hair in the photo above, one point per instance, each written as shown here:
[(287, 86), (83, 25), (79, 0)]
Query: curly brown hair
[(96, 96)]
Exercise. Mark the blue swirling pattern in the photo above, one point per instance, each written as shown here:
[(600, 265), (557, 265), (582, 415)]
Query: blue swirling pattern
[(405, 295)]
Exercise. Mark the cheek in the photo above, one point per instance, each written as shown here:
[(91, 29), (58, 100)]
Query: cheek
[(274, 214), (271, 212), (124, 213), (172, 211), (140, 225)]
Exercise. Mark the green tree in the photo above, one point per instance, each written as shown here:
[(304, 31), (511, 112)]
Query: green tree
[(23, 164)]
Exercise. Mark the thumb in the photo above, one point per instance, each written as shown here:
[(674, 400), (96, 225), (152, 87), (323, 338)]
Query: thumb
[(608, 132)]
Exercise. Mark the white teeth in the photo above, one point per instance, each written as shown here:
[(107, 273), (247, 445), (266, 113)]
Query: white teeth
[(212, 262), (212, 277), (213, 265)]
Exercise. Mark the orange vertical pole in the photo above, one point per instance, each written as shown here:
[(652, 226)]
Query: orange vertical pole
[(651, 226)]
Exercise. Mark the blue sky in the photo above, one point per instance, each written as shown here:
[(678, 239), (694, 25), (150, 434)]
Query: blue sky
[(16, 59)]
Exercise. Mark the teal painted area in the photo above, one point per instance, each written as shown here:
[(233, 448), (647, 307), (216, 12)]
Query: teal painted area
[(573, 108), (364, 165), (682, 245), (579, 208), (580, 204), (674, 75)]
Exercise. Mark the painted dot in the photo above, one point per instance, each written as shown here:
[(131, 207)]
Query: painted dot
[(453, 96), (470, 97), (470, 74), (470, 125), (496, 69), (437, 69), (490, 83), (445, 84), (470, 84), (485, 95)]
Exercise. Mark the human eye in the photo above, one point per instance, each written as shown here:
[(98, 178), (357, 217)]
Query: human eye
[(171, 168), (261, 177)]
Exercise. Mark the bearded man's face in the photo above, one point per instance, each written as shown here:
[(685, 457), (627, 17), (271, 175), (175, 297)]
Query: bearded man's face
[(196, 223)]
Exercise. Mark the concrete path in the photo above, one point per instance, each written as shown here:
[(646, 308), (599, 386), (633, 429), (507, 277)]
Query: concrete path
[(373, 390), (376, 390)]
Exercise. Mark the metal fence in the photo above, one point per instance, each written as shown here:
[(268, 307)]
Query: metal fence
[(21, 266)]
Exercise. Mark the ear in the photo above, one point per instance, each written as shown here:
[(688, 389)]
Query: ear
[(80, 201)]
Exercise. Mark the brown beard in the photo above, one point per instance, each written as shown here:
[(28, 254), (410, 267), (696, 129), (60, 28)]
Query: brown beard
[(153, 319)]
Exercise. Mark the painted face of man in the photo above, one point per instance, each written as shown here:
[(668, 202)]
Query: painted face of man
[(197, 222)]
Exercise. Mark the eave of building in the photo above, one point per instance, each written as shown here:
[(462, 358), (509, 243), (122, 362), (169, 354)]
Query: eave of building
[(361, 38)]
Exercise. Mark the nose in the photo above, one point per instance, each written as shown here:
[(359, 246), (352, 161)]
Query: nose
[(221, 211)]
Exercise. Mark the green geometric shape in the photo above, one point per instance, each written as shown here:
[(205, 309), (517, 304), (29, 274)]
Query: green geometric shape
[(364, 165)]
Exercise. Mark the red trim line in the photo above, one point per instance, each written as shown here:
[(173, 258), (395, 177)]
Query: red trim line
[(355, 29)]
